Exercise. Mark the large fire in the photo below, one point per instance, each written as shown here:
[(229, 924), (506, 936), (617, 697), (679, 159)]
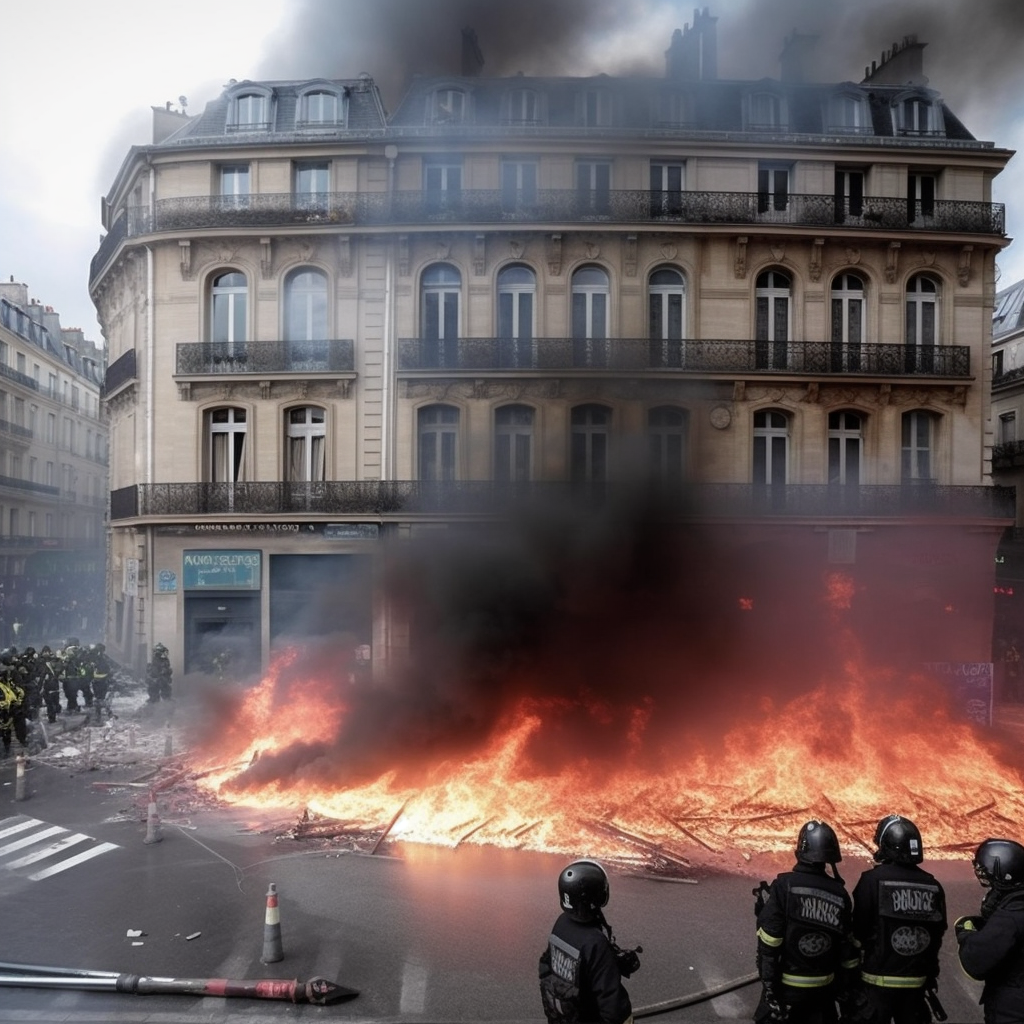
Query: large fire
[(848, 750)]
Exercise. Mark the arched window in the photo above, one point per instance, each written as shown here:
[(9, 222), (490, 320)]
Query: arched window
[(590, 291), (917, 115), (438, 436), (318, 107), (848, 112), (517, 289), (228, 311), (440, 290), (305, 305), (513, 443), (523, 107), (249, 111), (305, 440), (226, 429), (918, 442), (771, 447), (922, 323), (448, 106), (667, 443), (845, 445), (588, 451), (847, 322), (772, 326), (765, 111), (666, 308)]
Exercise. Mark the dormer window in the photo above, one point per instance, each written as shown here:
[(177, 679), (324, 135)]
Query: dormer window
[(595, 108), (917, 115), (250, 111), (522, 106), (320, 108), (673, 110), (448, 106), (766, 112), (848, 113)]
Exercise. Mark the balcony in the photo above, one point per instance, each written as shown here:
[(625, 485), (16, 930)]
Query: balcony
[(13, 430), (1009, 455), (18, 377), (401, 498), (800, 358), (239, 357), (561, 206), (119, 372)]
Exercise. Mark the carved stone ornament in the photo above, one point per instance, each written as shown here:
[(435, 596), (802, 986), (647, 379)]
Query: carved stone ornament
[(515, 248), (630, 255), (185, 256), (555, 255), (592, 250), (720, 417), (778, 251), (892, 259), (739, 265), (669, 251), (963, 270), (817, 247), (852, 255)]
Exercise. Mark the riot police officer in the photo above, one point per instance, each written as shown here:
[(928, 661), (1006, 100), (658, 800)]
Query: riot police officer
[(158, 675), (992, 943), (805, 951), (899, 918), (74, 676), (48, 673), (581, 970)]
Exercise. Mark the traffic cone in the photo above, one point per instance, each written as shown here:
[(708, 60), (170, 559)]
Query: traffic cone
[(168, 742), (272, 949), (153, 833)]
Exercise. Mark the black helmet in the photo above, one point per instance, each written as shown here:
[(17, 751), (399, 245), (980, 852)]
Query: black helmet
[(29, 652), (583, 889), (45, 650), (898, 840), (999, 863), (159, 648), (72, 641), (817, 844)]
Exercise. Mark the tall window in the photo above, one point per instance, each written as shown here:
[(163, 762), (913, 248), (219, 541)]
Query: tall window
[(849, 194), (442, 186), (847, 330), (772, 188), (517, 287), (228, 310), (765, 111), (772, 325), (667, 188), (306, 440), (588, 450), (917, 115), (513, 443), (226, 432), (448, 106), (595, 108), (848, 112), (438, 435), (593, 184), (918, 441), (305, 305), (518, 185), (250, 112), (844, 448), (234, 186), (312, 185), (441, 287), (1007, 428), (920, 198), (590, 316), (522, 106), (666, 317), (771, 446), (922, 324), (666, 435)]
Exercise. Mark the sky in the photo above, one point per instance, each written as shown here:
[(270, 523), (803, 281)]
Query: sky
[(78, 81)]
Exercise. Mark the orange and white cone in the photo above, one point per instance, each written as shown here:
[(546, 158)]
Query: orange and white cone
[(153, 833), (272, 948)]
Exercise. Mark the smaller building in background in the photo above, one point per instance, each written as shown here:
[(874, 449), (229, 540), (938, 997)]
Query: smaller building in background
[(53, 476)]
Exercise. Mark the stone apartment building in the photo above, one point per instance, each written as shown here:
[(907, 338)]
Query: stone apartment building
[(53, 476), (332, 327)]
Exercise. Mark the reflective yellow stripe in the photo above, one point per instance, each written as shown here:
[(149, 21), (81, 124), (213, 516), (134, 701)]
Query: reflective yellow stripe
[(769, 940), (892, 980), (807, 981)]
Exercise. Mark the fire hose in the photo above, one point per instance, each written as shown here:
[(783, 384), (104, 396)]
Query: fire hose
[(695, 997)]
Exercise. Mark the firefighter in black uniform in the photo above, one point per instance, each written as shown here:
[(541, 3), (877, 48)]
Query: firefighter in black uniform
[(74, 676), (899, 918), (48, 674), (158, 675), (581, 970), (99, 664), (28, 660), (806, 957), (992, 943)]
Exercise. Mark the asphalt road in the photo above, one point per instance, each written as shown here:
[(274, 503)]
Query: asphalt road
[(425, 935)]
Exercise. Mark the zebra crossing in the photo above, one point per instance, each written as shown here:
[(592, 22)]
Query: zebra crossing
[(21, 838)]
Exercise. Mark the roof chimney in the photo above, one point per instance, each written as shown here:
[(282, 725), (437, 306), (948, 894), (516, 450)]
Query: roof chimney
[(795, 59), (472, 55), (903, 64), (693, 53)]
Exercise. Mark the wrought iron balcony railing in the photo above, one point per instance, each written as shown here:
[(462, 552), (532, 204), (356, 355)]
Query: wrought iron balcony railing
[(551, 206), (700, 355), (480, 497), (14, 430), (119, 372), (1008, 455), (337, 356), (27, 485), (18, 377)]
